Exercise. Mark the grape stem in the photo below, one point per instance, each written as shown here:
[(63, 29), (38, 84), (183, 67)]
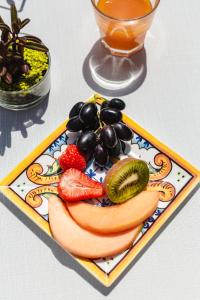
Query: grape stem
[(100, 122), (95, 98)]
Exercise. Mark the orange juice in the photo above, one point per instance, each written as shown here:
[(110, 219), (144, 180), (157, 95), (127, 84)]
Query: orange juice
[(125, 9), (123, 23)]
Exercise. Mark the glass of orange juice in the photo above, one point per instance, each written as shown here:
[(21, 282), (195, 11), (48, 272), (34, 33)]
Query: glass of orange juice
[(123, 24)]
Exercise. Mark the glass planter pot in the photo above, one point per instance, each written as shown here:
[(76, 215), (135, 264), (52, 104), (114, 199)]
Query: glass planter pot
[(18, 100)]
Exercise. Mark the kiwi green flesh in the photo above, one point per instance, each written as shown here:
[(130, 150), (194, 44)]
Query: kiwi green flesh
[(129, 179)]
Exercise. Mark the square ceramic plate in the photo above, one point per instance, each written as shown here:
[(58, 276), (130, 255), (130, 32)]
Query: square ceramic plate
[(171, 175)]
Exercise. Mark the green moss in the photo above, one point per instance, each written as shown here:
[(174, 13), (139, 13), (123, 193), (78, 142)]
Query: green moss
[(38, 62)]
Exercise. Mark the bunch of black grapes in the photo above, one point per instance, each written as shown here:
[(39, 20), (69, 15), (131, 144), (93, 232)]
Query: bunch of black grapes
[(102, 133)]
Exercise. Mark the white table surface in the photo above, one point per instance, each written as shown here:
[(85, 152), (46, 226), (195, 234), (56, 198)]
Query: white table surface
[(167, 104)]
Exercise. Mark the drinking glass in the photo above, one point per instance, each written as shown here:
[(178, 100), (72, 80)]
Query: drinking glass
[(124, 37)]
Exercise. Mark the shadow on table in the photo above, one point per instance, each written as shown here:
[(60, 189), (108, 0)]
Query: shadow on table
[(19, 121), (9, 2), (67, 261), (113, 75)]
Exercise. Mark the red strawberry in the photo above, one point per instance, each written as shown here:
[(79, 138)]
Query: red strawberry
[(72, 158), (75, 186)]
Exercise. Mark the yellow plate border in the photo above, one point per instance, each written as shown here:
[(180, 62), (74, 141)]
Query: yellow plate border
[(106, 280)]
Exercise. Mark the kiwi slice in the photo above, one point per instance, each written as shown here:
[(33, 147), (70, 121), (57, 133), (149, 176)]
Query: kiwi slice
[(126, 179)]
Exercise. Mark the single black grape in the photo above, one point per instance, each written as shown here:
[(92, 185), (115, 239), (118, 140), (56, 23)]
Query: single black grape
[(86, 142), (88, 113), (75, 124), (101, 155), (108, 137), (110, 115), (123, 132), (94, 125), (76, 109), (117, 103), (105, 104), (115, 152)]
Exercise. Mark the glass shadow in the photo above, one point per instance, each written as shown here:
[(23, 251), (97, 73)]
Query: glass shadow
[(114, 75)]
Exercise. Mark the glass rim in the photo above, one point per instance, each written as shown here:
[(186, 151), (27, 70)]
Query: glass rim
[(31, 87), (125, 20)]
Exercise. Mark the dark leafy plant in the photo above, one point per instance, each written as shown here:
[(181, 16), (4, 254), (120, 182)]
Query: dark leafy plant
[(12, 44)]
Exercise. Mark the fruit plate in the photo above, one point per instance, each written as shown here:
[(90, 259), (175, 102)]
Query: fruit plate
[(171, 175)]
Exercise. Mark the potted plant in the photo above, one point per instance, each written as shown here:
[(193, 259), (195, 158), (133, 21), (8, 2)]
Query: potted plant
[(24, 65)]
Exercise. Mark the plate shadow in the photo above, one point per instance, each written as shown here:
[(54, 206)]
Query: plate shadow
[(19, 121), (67, 261), (113, 75)]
